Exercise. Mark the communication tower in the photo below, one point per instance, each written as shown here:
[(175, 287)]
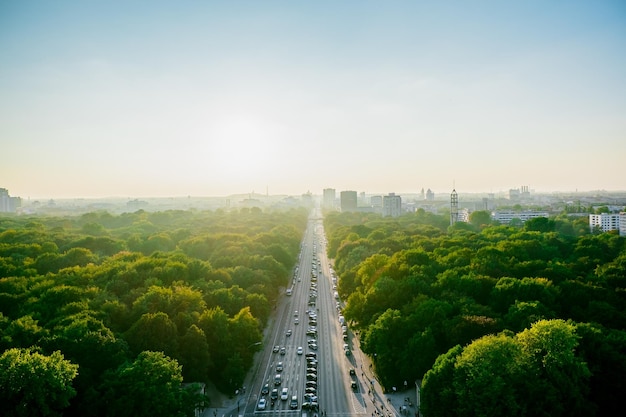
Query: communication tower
[(454, 207)]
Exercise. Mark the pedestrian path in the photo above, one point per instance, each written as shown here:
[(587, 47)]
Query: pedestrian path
[(385, 404)]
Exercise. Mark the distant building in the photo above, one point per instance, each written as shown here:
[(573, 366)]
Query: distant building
[(463, 215), (430, 196), (362, 199), (392, 205), (376, 201), (328, 199), (505, 217), (8, 204), (521, 193), (348, 200), (514, 194), (307, 199), (606, 222)]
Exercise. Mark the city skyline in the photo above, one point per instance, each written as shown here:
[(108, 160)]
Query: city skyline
[(126, 99)]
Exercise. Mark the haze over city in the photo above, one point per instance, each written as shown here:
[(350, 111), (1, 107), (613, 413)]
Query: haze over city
[(138, 99)]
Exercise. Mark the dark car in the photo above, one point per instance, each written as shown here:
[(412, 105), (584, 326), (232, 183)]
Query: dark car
[(274, 394), (294, 402), (310, 406), (265, 390)]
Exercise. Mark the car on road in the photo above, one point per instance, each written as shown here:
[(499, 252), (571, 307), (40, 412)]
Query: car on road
[(284, 394), (354, 386), (279, 367), (311, 398), (262, 404), (352, 371), (265, 390), (288, 333), (296, 321), (276, 349), (299, 351), (274, 394), (294, 402), (310, 405), (283, 351)]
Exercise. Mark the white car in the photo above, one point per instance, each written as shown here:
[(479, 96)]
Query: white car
[(262, 404), (300, 350), (284, 395)]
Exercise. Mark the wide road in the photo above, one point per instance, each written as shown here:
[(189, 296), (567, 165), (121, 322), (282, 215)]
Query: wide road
[(335, 395)]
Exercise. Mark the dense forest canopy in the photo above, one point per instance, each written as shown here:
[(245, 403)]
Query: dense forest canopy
[(496, 320), (114, 313)]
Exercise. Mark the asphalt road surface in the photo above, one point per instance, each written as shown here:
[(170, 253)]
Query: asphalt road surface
[(335, 394)]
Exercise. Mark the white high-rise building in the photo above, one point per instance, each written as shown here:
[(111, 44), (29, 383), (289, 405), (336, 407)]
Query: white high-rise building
[(328, 199), (8, 204), (605, 221), (392, 205)]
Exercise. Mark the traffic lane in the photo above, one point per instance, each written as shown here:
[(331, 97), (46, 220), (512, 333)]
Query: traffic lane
[(283, 321), (268, 360), (348, 401), (333, 396)]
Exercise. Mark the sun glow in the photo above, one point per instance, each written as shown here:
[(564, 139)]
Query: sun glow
[(243, 147)]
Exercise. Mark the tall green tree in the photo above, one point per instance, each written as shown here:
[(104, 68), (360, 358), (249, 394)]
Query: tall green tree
[(490, 378), (150, 386), (560, 377), (33, 384), (439, 397), (194, 355), (154, 331)]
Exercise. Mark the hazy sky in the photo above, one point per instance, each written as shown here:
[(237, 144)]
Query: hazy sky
[(208, 98)]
